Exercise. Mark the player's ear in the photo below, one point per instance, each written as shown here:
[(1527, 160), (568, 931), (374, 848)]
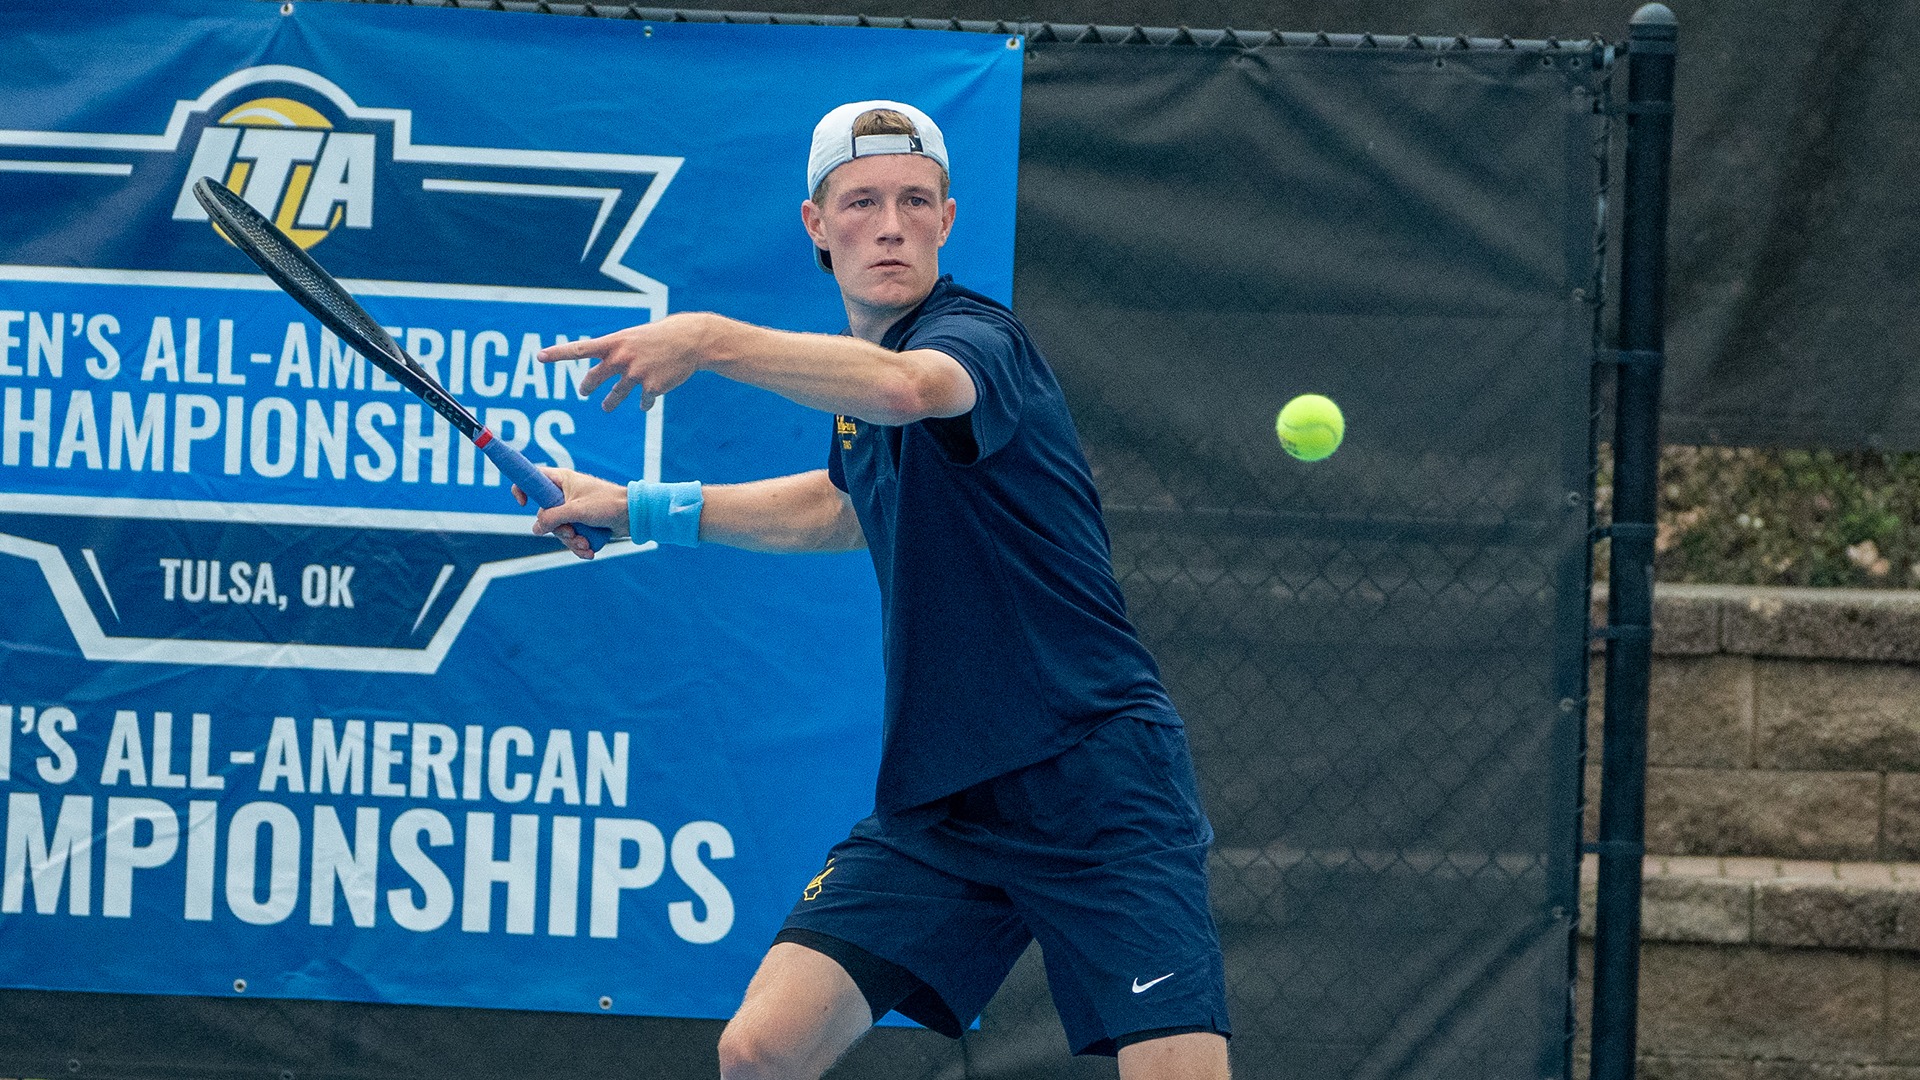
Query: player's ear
[(946, 224), (816, 227)]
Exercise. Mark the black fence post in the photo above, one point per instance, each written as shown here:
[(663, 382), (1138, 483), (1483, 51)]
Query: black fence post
[(1636, 469)]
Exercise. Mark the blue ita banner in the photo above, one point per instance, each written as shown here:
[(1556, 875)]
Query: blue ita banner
[(291, 702)]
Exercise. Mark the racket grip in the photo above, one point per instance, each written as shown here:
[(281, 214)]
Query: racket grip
[(521, 472)]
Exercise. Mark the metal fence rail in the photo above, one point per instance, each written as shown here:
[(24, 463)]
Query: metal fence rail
[(1035, 32)]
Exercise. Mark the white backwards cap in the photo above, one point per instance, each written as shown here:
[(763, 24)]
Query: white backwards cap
[(834, 145)]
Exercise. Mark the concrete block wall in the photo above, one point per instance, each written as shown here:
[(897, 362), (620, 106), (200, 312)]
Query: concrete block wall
[(1782, 895)]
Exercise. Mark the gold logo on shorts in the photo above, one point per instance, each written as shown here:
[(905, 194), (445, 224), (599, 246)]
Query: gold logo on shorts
[(847, 429), (813, 887)]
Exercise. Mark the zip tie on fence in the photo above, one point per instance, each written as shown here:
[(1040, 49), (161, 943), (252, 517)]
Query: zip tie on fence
[(1626, 530)]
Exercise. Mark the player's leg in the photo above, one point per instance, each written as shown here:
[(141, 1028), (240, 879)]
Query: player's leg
[(801, 1012), (1169, 1026), (879, 929), (1192, 1055), (1111, 846)]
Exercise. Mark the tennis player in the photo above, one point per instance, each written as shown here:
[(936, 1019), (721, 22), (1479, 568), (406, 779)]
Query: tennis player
[(1034, 778)]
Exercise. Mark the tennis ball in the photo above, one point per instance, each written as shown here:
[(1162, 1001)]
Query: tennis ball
[(1310, 427)]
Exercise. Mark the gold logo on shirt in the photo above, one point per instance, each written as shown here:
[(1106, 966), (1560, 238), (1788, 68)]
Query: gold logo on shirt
[(813, 887), (847, 429)]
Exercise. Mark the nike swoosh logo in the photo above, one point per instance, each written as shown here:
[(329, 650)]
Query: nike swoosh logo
[(1141, 988)]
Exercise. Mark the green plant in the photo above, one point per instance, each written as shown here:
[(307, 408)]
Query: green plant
[(1742, 516)]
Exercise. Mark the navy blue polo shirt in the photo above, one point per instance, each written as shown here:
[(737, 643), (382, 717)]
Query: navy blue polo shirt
[(1006, 638)]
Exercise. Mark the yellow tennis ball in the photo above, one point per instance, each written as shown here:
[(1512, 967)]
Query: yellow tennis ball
[(1310, 427)]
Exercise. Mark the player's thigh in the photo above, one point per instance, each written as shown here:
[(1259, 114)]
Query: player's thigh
[(1119, 971), (1119, 901), (897, 909), (1193, 1055), (801, 1012)]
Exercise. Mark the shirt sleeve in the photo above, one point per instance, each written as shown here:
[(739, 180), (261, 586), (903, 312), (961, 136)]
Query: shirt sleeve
[(990, 352)]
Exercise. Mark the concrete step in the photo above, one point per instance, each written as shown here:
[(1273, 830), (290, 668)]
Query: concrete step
[(1807, 904), (1784, 723), (1781, 911), (1771, 969)]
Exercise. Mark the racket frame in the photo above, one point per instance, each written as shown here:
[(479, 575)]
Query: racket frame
[(301, 277)]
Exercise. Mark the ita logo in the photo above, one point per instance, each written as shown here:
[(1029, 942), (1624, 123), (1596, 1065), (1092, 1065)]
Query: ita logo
[(204, 475), (286, 159)]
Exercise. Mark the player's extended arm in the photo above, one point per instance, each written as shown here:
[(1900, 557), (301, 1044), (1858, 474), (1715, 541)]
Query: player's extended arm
[(835, 373), (803, 512)]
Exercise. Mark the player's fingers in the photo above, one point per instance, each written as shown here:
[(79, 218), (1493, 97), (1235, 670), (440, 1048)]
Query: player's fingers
[(619, 393), (574, 350), (596, 375), (559, 520), (559, 476), (574, 541), (519, 495)]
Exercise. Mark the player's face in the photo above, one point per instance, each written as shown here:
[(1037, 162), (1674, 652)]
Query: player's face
[(883, 220)]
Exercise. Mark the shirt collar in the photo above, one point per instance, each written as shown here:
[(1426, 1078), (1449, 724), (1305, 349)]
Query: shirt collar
[(899, 330)]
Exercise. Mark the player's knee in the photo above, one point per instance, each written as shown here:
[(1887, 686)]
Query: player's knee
[(746, 1054)]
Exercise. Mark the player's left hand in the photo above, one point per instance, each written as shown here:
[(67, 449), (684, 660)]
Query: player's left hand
[(589, 501), (652, 358)]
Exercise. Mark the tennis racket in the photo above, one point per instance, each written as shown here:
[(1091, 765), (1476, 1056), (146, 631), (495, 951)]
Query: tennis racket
[(296, 272)]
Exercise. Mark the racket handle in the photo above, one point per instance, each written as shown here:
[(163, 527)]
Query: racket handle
[(518, 470)]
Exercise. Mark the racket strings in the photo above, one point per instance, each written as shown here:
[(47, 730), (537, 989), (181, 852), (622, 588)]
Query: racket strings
[(316, 290)]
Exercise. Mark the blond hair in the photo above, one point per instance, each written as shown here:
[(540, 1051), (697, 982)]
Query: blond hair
[(881, 122)]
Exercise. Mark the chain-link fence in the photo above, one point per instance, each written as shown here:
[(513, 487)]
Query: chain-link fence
[(1380, 656), (1371, 703)]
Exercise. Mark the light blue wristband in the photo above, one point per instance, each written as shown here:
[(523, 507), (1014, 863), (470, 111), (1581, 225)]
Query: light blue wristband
[(665, 513)]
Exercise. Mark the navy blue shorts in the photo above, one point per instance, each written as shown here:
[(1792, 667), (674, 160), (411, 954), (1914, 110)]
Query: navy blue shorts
[(1100, 853)]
